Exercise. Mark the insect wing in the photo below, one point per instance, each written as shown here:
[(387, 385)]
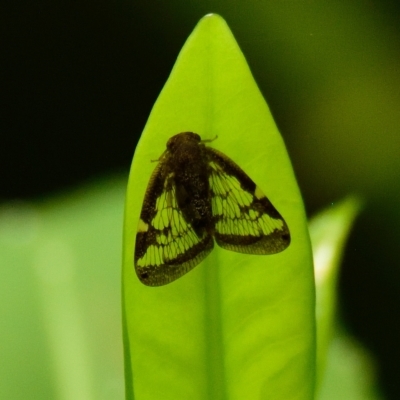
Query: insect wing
[(245, 220), (166, 245)]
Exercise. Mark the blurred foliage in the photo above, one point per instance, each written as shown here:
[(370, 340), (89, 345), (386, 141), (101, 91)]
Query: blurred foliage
[(60, 303), (329, 232), (60, 296), (350, 372)]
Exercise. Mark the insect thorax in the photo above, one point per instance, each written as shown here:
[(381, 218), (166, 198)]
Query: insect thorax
[(190, 174)]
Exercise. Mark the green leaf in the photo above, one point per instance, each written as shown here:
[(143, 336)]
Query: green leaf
[(237, 326), (329, 231), (59, 295), (350, 372)]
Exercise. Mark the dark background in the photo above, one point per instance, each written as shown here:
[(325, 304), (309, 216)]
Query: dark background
[(78, 80)]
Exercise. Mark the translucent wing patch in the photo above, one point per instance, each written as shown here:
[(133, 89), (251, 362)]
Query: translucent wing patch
[(245, 220), (167, 247)]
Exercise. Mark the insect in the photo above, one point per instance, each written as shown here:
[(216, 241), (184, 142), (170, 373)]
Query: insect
[(196, 195)]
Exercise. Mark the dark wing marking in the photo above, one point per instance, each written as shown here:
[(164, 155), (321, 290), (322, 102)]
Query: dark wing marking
[(166, 245), (245, 220)]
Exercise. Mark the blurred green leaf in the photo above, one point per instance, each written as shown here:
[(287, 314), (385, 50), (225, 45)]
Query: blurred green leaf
[(237, 326), (60, 295), (329, 231), (350, 373), (344, 369)]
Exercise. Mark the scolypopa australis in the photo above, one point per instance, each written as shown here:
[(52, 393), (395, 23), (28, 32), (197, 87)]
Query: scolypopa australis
[(196, 195)]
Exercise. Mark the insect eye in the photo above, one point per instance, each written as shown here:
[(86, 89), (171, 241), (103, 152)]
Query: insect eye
[(196, 136), (171, 143)]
